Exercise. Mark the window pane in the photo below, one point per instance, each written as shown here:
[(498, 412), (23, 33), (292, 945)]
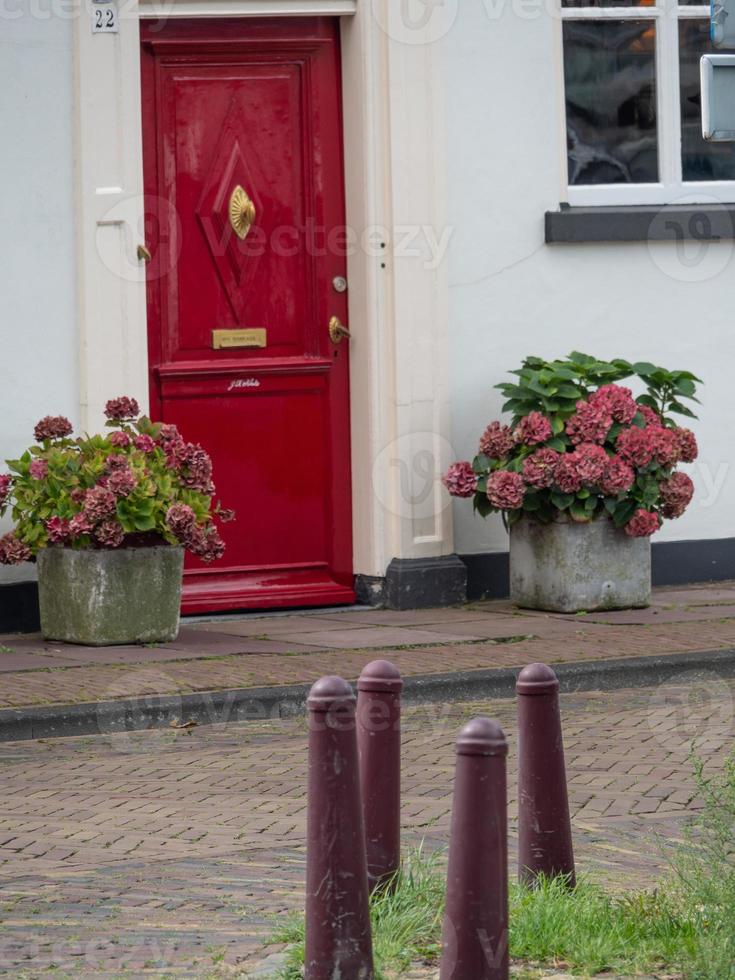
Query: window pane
[(699, 160), (610, 87)]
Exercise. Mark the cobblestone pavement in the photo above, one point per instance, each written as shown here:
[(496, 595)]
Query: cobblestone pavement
[(257, 650), (169, 854)]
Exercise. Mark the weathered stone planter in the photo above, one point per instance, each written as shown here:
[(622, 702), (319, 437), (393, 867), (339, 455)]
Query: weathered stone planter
[(102, 598), (569, 567)]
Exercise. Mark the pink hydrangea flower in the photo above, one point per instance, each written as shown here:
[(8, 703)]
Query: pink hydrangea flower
[(460, 480), (206, 543), (79, 525), (57, 529), (226, 515), (617, 478), (99, 503), (173, 445), (539, 469), (688, 448), (77, 495), (109, 534), (651, 417), (496, 441), (590, 423), (52, 427), (567, 476), (590, 460), (168, 432), (642, 524), (6, 482), (665, 445), (506, 490), (676, 494), (616, 400), (635, 445), (13, 551), (116, 461), (145, 444), (39, 469), (196, 469), (122, 481), (533, 429), (181, 519), (121, 440), (119, 409)]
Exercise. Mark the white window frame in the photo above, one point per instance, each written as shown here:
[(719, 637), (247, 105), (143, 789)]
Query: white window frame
[(671, 187)]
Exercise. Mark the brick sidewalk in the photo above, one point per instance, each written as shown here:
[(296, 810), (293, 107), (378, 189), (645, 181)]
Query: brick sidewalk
[(259, 650), (172, 855)]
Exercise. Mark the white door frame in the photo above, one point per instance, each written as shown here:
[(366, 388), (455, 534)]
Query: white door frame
[(394, 145)]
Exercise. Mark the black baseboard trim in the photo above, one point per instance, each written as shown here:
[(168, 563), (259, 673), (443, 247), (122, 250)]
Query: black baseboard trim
[(19, 607), (416, 583), (672, 563), (488, 575), (370, 589)]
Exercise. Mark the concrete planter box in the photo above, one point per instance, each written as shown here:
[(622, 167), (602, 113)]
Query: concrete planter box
[(104, 598), (569, 567)]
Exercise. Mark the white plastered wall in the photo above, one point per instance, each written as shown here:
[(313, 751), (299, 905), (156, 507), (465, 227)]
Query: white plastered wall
[(511, 295), (38, 366)]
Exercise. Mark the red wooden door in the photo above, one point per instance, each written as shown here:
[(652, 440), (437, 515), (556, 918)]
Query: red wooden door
[(245, 223)]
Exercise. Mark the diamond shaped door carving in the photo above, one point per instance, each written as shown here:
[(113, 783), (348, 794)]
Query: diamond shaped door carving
[(235, 257)]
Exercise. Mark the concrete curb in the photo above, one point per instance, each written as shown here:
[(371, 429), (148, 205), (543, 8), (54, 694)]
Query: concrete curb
[(264, 703)]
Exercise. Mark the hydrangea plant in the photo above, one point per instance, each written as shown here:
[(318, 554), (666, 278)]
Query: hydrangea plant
[(137, 485), (580, 446)]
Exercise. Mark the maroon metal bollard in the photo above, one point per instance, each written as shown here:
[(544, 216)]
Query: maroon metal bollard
[(379, 749), (475, 935), (544, 827), (338, 940)]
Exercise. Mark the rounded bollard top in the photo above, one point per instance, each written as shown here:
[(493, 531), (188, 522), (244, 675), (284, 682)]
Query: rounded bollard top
[(328, 691), (537, 679), (482, 736), (382, 676)]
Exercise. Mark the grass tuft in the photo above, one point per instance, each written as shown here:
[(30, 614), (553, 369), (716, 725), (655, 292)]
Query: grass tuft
[(686, 927)]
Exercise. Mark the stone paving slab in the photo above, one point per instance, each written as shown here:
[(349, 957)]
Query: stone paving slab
[(659, 614), (284, 649), (172, 854), (27, 661)]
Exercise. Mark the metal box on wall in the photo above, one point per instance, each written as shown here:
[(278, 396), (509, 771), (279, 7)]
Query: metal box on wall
[(717, 73)]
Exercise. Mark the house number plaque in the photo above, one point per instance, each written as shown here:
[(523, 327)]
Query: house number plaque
[(222, 339), (104, 17)]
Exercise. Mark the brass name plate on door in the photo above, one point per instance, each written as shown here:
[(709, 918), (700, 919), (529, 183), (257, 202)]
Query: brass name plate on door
[(222, 339)]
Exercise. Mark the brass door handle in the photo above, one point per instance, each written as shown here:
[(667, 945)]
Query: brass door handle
[(337, 330), (242, 212), (144, 254)]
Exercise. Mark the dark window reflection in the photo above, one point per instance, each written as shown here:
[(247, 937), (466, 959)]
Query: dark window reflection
[(610, 86), (699, 160)]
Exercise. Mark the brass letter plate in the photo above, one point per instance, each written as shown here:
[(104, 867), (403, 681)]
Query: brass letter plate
[(239, 338)]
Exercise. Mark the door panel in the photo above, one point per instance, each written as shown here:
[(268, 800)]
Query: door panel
[(242, 123)]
